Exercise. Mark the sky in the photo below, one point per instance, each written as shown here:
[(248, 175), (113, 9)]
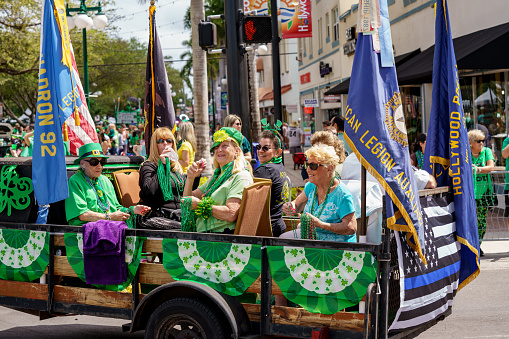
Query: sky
[(169, 22)]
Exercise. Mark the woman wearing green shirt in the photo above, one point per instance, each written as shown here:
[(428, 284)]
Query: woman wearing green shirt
[(218, 200), (91, 195)]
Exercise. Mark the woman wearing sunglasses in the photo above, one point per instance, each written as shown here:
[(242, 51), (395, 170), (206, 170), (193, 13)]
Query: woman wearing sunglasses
[(269, 154), (91, 195), (326, 201), (217, 202), (161, 182), (482, 163)]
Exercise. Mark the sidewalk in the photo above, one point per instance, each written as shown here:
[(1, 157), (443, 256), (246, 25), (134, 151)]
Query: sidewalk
[(495, 246), (294, 175)]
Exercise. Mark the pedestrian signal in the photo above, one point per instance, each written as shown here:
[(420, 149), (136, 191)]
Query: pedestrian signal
[(207, 34), (256, 29)]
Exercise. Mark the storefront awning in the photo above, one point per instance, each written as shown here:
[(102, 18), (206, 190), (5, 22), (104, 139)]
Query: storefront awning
[(259, 64), (342, 88), (484, 49), (266, 93)]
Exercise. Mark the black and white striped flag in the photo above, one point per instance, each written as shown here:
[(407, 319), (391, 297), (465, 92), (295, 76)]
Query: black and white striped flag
[(428, 290)]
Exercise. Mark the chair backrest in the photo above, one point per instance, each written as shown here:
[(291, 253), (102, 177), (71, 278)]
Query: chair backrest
[(128, 187), (254, 213)]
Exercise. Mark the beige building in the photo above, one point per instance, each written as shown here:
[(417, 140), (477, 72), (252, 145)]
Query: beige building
[(480, 30)]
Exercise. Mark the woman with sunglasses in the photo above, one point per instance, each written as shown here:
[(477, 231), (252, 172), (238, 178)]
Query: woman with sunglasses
[(234, 121), (482, 163), (91, 194), (326, 200), (218, 200), (161, 181), (271, 167)]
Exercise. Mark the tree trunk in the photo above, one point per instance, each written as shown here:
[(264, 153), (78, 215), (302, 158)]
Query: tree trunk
[(254, 107), (200, 95)]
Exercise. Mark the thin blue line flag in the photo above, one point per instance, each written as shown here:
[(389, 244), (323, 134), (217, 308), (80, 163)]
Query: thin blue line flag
[(447, 144)]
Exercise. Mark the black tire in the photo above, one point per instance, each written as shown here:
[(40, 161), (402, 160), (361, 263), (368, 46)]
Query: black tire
[(184, 318)]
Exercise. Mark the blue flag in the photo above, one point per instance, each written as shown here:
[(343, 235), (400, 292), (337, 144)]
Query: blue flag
[(375, 130), (57, 97), (447, 145)]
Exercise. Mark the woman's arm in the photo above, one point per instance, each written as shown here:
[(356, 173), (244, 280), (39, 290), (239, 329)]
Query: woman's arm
[(347, 226), (94, 216), (229, 212), (490, 165), (26, 137), (297, 205), (192, 172), (149, 180), (184, 162)]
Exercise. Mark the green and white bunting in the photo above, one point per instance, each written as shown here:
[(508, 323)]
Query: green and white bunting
[(319, 280), (74, 250), (24, 254), (227, 268)]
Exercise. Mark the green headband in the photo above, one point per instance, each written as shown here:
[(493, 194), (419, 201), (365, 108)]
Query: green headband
[(277, 127)]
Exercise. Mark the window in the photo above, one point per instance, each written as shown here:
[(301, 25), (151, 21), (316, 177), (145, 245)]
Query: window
[(390, 2), (327, 27), (320, 35), (310, 47), (408, 2), (335, 21), (304, 53)]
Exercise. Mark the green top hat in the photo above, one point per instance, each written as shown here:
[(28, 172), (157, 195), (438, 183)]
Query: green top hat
[(92, 150), (223, 134)]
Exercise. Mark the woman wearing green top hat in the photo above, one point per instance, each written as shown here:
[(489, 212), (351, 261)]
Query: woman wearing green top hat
[(217, 202), (91, 195)]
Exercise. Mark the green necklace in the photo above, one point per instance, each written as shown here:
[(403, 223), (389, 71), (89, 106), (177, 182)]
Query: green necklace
[(308, 229), (218, 179), (275, 160), (420, 159), (165, 177), (102, 200)]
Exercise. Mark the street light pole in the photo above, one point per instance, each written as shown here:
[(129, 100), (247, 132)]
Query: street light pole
[(84, 22)]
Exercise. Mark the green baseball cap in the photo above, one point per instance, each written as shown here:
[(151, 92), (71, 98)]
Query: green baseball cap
[(223, 134), (92, 150)]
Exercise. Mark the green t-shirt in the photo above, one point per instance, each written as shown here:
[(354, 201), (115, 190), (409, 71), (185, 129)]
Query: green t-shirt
[(504, 144), (246, 147), (482, 182), (82, 198), (232, 188)]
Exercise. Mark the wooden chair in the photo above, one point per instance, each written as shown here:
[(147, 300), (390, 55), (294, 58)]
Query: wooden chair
[(127, 185), (254, 213)]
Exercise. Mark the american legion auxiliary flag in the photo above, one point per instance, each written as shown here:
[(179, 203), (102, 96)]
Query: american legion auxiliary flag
[(375, 130), (447, 145), (59, 96), (159, 109)]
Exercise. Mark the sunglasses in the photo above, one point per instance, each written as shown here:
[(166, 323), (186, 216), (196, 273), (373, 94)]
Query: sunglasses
[(312, 165), (264, 148), (479, 141), (238, 124), (168, 141), (94, 162)]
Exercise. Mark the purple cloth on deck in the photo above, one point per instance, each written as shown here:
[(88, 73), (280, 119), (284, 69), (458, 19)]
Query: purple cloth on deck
[(104, 252)]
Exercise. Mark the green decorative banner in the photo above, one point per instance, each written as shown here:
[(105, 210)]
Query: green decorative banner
[(227, 268), (24, 254), (74, 250), (319, 280), (14, 191)]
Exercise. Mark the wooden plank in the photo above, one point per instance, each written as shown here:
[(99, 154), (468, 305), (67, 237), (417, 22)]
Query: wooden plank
[(62, 267), (59, 240), (91, 296), (153, 246), (153, 273), (300, 317), (21, 289)]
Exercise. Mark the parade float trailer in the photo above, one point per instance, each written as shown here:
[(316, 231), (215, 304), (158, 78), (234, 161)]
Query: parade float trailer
[(208, 285)]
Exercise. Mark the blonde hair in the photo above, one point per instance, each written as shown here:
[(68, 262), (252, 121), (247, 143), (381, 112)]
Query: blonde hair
[(327, 138), (230, 119), (475, 134), (186, 130), (163, 133), (239, 164), (324, 154)]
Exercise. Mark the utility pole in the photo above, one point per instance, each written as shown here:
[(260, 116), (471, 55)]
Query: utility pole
[(276, 68)]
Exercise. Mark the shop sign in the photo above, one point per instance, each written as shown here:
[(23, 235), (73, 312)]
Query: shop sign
[(349, 47), (224, 99), (307, 136), (305, 78), (310, 102), (331, 98), (292, 109), (324, 69), (308, 110), (350, 33)]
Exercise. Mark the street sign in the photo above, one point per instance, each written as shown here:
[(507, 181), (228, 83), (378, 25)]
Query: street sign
[(310, 102)]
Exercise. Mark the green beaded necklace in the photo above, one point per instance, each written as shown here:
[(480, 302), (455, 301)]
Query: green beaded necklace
[(165, 176), (218, 179), (308, 229)]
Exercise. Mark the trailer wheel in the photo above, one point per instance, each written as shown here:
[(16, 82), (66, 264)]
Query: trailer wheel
[(184, 318)]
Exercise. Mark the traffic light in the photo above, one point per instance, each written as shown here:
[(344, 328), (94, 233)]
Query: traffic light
[(256, 29), (207, 34)]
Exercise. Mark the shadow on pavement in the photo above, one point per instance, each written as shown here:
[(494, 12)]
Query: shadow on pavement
[(68, 331)]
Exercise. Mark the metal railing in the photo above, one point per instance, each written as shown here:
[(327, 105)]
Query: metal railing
[(493, 205)]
